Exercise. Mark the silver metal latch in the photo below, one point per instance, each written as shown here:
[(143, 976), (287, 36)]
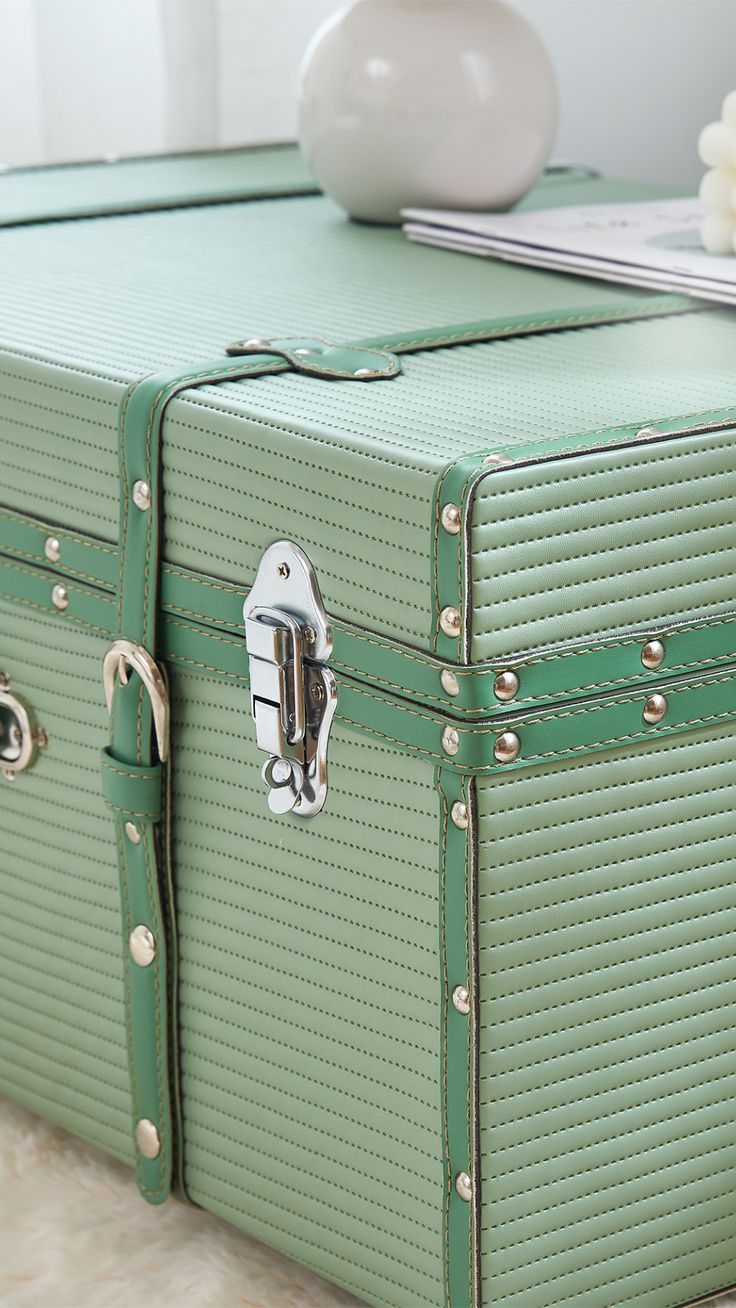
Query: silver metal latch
[(293, 694)]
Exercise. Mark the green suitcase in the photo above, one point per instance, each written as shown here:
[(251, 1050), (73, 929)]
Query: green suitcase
[(367, 871)]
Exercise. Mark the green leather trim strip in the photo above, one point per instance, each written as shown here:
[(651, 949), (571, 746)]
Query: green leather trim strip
[(555, 733), (548, 676), (64, 191), (458, 1032)]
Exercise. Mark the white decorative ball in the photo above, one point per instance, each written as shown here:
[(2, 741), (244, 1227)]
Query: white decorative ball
[(716, 145), (431, 103), (717, 233), (716, 189)]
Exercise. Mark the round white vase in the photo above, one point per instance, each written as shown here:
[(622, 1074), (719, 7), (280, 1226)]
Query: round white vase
[(448, 104)]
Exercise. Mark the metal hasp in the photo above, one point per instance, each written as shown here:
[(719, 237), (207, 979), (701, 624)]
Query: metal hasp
[(20, 736), (293, 694)]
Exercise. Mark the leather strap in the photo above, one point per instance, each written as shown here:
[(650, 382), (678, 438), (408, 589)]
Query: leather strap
[(458, 1026), (134, 766)]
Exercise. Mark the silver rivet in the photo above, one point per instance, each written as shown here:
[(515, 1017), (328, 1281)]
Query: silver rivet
[(4, 681), (133, 834), (283, 571), (451, 621), (257, 343), (142, 495), (306, 350), (52, 549), (461, 1000), (655, 708), (649, 434), (9, 774), (652, 654), (450, 683), (452, 519), (506, 685), (450, 740), (364, 372), (147, 1138), (142, 945), (41, 738), (60, 597), (497, 461), (506, 747), (464, 1186), (459, 815)]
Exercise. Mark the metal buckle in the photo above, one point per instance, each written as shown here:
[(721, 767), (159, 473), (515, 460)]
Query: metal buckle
[(20, 737), (293, 695), (125, 654)]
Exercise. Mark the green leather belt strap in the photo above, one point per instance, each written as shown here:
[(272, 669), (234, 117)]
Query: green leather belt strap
[(458, 1026)]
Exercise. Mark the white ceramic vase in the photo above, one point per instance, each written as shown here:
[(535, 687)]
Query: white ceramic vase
[(446, 104)]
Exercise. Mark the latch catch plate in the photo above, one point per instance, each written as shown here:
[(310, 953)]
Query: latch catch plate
[(293, 694)]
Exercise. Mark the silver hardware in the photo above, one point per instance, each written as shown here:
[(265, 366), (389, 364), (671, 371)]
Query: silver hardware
[(652, 654), (147, 1138), (52, 549), (497, 461), (142, 945), (124, 655), (451, 621), (60, 597), (366, 372), (293, 694), (459, 815), (452, 519), (449, 682), (464, 1186), (142, 495), (506, 747), (506, 685), (256, 343), (133, 834), (649, 434), (655, 708), (20, 737), (461, 1000), (306, 350), (450, 740)]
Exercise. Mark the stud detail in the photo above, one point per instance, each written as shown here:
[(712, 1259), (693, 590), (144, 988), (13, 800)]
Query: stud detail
[(147, 1138), (652, 654), (459, 815), (452, 519), (506, 747), (464, 1186), (449, 682), (506, 685), (655, 708), (450, 740), (133, 834), (451, 622), (142, 495), (461, 1000), (52, 549), (142, 945), (60, 597)]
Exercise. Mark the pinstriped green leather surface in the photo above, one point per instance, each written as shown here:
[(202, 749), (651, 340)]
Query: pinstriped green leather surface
[(581, 547), (606, 928), (62, 1017), (309, 976)]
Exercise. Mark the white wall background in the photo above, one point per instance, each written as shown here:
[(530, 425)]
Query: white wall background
[(86, 78)]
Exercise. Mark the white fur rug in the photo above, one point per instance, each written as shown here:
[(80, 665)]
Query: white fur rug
[(75, 1234)]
